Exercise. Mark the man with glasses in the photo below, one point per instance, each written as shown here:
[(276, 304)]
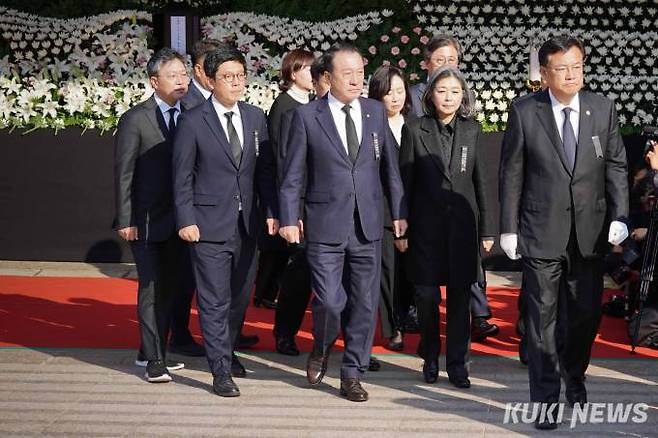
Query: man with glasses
[(563, 193), (144, 205), (223, 172)]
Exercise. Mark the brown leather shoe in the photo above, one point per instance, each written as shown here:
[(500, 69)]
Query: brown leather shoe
[(316, 366), (352, 390)]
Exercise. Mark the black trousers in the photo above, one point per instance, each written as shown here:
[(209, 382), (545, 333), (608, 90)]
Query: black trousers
[(180, 317), (396, 289), (224, 273), (567, 290), (272, 259), (458, 326), (294, 294), (158, 270)]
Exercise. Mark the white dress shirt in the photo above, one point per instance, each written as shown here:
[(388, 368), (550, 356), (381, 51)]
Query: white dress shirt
[(205, 93), (236, 119), (164, 109), (574, 116), (336, 108)]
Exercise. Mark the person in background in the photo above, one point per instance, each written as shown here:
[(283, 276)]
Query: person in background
[(296, 85), (144, 205), (443, 175), (389, 86)]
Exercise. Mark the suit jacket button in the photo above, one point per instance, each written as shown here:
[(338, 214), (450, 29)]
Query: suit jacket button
[(236, 197)]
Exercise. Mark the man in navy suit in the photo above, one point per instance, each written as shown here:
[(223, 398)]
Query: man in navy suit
[(342, 146), (223, 171)]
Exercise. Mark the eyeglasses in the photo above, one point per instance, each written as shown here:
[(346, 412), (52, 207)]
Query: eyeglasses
[(229, 78), (440, 60), (173, 76), (562, 70)]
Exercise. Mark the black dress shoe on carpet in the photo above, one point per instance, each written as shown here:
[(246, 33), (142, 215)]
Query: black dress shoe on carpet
[(246, 341), (374, 364), (430, 371), (156, 372), (224, 386), (287, 346), (237, 370), (460, 382), (316, 366), (482, 329), (264, 302), (352, 390), (190, 349)]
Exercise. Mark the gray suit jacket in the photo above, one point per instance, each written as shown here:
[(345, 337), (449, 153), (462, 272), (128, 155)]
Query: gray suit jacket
[(541, 197), (417, 92)]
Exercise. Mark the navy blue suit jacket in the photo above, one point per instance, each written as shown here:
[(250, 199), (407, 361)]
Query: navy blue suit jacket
[(334, 185), (208, 183)]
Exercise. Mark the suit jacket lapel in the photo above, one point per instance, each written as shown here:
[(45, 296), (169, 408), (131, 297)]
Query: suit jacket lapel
[(211, 118), (248, 128), (585, 131), (366, 128), (430, 138), (152, 114), (545, 115), (460, 139), (326, 121)]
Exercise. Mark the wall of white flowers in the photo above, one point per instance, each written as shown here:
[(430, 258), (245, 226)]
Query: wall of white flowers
[(88, 71)]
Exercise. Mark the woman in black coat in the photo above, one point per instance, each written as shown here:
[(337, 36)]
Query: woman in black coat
[(296, 84), (443, 176), (388, 85)]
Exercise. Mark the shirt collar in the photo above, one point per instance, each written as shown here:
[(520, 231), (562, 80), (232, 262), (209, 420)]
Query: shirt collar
[(164, 106), (337, 104), (206, 93), (221, 109), (556, 104)]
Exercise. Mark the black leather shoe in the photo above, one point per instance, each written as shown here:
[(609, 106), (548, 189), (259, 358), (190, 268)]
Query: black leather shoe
[(547, 422), (264, 302), (482, 329), (191, 349), (460, 382), (431, 371), (374, 364), (237, 370), (316, 366), (352, 390), (287, 346), (246, 341), (224, 386), (576, 392), (396, 343)]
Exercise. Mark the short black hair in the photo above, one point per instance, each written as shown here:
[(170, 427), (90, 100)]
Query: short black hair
[(335, 48), (161, 57), (442, 40), (223, 54), (380, 85), (202, 47), (557, 44), (318, 68)]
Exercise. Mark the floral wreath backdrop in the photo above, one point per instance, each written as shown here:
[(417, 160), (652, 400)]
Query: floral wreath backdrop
[(88, 71)]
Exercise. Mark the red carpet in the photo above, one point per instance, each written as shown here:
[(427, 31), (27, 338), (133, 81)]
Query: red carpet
[(55, 312)]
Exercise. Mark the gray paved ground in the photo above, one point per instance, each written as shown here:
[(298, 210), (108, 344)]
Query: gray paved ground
[(71, 392)]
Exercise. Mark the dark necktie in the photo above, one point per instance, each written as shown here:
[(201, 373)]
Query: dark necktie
[(568, 138), (233, 139), (171, 126), (352, 138)]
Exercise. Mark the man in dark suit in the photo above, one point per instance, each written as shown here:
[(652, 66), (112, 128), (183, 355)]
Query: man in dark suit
[(144, 204), (223, 172), (341, 143), (563, 166), (199, 91)]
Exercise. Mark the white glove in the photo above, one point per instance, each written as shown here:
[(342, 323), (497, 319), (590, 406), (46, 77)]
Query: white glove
[(618, 232), (509, 242)]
